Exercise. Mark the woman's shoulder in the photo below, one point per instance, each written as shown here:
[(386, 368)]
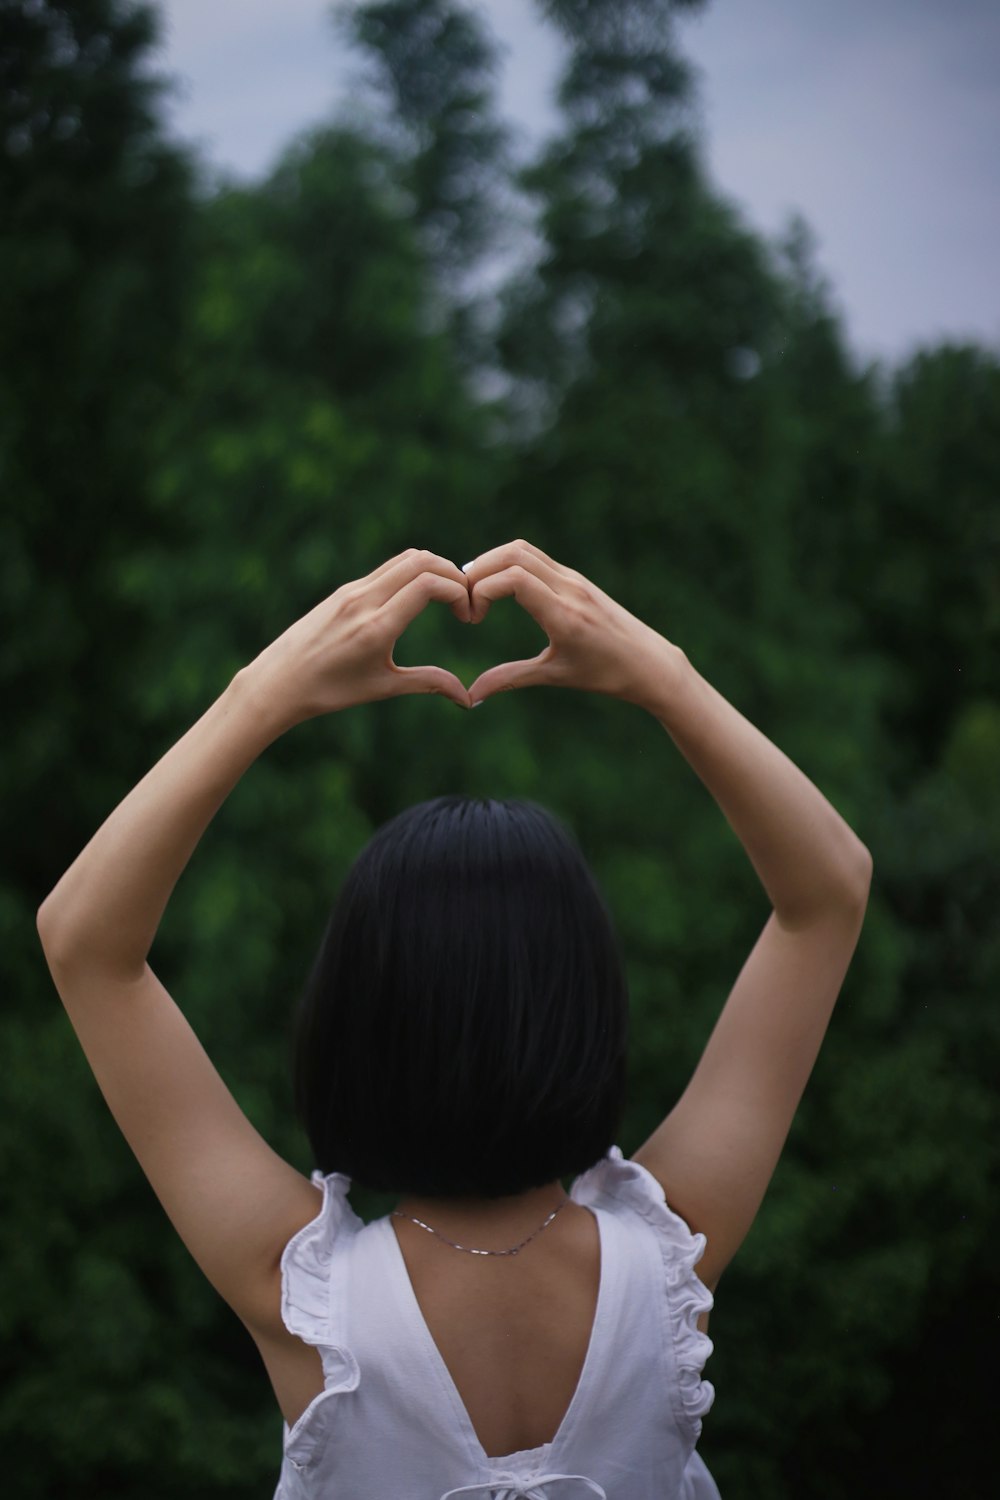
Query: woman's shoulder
[(623, 1182), (291, 1297), (624, 1186)]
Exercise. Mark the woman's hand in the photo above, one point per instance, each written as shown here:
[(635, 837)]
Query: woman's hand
[(340, 654), (594, 644)]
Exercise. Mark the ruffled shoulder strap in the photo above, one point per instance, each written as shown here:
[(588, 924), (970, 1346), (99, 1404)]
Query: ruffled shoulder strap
[(306, 1289), (628, 1182)]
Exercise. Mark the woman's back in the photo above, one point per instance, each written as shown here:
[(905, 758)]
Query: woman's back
[(585, 1372), (513, 1330)]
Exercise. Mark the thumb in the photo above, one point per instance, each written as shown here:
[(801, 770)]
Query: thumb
[(512, 674), (432, 680)]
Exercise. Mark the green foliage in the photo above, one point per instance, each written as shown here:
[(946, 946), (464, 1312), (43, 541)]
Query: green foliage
[(215, 407), (437, 64)]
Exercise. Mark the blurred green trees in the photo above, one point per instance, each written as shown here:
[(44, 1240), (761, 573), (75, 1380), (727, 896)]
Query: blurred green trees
[(219, 402)]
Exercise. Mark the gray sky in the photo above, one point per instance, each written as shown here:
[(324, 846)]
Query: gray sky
[(879, 120)]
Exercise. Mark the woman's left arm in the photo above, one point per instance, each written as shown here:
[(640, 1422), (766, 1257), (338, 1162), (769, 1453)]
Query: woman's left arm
[(234, 1201)]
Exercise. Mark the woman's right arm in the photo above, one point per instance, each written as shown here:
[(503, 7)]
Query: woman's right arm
[(716, 1151), (805, 855)]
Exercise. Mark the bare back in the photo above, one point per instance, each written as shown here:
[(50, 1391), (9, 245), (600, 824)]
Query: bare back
[(512, 1331)]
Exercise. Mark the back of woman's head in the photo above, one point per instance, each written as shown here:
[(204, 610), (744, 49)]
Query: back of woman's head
[(464, 1028)]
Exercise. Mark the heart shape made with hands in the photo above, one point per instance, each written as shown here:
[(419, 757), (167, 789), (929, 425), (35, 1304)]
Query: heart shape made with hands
[(488, 677), (591, 642)]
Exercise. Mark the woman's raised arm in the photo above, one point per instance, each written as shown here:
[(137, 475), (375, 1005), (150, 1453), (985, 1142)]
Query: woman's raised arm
[(716, 1150), (233, 1201)]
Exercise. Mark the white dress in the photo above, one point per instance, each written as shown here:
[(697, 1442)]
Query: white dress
[(390, 1424)]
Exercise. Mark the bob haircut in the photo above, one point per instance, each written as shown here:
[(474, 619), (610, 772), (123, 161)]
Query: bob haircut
[(464, 1028)]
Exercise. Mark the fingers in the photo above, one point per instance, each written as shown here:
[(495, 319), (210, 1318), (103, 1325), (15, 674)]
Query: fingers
[(519, 554), (403, 586), (511, 552), (392, 576), (386, 580), (403, 608), (432, 680), (533, 672), (407, 602), (530, 591)]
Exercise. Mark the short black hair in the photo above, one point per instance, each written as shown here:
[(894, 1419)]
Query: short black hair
[(464, 1028)]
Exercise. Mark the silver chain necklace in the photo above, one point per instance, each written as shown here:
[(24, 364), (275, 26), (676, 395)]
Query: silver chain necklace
[(513, 1251)]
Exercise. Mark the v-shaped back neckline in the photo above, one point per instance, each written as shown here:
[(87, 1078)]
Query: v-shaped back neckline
[(420, 1326)]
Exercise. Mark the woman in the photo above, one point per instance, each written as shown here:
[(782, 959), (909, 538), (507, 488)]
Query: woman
[(493, 1335)]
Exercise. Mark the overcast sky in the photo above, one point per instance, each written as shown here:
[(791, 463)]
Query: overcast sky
[(879, 120)]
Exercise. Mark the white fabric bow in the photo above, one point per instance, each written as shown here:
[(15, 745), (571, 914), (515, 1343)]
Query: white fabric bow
[(509, 1487)]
